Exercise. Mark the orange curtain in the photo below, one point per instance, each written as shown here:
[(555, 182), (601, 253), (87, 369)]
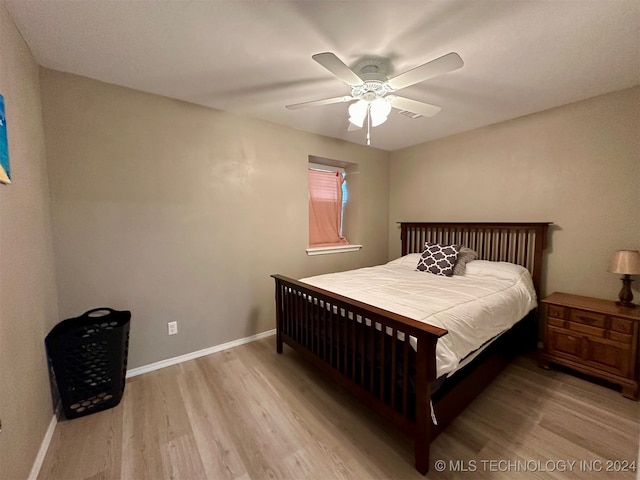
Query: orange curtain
[(325, 208)]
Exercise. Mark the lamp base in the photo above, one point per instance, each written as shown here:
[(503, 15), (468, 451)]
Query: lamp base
[(626, 295), (626, 304)]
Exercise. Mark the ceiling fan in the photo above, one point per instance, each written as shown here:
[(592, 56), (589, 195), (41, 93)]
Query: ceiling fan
[(374, 91)]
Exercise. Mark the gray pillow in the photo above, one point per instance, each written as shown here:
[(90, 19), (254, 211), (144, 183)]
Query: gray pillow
[(438, 259), (465, 255)]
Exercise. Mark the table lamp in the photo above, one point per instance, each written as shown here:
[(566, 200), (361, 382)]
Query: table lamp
[(626, 262)]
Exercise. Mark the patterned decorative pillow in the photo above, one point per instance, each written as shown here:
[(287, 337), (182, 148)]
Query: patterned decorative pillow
[(465, 255), (438, 259)]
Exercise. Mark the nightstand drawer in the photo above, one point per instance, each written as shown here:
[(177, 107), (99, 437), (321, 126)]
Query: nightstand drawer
[(554, 311), (582, 328), (620, 337), (621, 325), (556, 322), (588, 318), (562, 341), (607, 356)]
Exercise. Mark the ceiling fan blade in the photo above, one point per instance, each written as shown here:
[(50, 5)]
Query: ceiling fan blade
[(336, 66), (352, 127), (424, 109), (317, 103), (446, 63)]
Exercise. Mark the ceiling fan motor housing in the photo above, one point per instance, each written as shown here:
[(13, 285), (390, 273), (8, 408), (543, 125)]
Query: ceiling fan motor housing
[(372, 68), (371, 90)]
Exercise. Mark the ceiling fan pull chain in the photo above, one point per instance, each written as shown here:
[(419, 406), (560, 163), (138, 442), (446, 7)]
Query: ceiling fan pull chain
[(368, 127)]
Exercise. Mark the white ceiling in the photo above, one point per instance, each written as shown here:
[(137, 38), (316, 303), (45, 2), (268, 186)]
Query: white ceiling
[(254, 57)]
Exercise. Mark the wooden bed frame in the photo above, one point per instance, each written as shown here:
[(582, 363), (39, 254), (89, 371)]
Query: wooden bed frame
[(388, 376)]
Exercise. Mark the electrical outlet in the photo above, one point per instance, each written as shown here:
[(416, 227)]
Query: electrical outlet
[(172, 327)]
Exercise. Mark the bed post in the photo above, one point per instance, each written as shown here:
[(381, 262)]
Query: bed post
[(278, 316), (540, 245), (403, 238), (425, 374)]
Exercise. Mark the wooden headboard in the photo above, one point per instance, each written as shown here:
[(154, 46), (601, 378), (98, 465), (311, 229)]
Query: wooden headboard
[(520, 243)]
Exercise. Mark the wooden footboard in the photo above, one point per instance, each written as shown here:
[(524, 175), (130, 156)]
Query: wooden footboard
[(362, 347)]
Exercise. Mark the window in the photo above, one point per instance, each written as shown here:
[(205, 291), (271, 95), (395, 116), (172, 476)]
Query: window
[(326, 208), (328, 195)]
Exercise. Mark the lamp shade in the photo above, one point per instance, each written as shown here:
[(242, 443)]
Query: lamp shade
[(625, 262), (358, 112), (380, 109)]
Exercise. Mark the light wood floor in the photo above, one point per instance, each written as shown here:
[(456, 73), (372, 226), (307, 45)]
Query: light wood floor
[(248, 413)]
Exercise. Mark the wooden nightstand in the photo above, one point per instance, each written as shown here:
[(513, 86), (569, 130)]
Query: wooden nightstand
[(592, 336)]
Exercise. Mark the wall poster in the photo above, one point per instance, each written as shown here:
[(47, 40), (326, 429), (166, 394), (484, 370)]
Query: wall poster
[(5, 171)]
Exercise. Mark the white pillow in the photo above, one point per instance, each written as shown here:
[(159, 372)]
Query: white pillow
[(504, 270), (409, 260)]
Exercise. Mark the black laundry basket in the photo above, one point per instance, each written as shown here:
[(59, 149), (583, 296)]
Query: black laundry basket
[(88, 355)]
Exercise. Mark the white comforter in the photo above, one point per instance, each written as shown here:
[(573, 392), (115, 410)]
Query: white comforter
[(475, 307)]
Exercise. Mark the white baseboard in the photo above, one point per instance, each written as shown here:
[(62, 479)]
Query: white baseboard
[(44, 446), (200, 353)]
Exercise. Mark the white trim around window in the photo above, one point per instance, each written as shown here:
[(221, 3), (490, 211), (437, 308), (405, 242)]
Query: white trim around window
[(333, 249)]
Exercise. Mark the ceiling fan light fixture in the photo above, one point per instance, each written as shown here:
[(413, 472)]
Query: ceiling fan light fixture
[(380, 109), (358, 112)]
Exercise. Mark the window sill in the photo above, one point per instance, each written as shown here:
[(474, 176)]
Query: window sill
[(333, 249)]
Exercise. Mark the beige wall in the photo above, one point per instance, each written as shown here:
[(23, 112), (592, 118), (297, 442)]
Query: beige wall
[(27, 290), (577, 166), (179, 212)]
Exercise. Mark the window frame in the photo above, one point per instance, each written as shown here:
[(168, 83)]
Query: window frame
[(331, 249)]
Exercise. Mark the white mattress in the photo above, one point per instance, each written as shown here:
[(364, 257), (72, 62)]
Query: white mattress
[(475, 307)]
